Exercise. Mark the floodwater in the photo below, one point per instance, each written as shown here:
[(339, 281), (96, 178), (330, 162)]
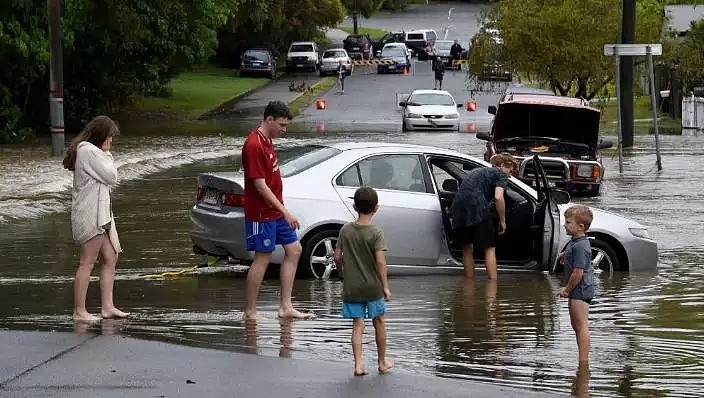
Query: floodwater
[(647, 328)]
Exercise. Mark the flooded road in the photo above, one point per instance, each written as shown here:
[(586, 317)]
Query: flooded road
[(647, 328)]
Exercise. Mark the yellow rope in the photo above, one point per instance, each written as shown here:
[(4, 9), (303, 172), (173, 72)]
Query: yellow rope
[(171, 274)]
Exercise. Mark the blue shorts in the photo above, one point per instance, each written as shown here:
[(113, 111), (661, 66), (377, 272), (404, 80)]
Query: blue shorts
[(263, 236), (366, 309)]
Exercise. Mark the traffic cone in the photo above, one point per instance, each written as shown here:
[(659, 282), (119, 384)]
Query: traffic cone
[(320, 104), (405, 70), (471, 105)]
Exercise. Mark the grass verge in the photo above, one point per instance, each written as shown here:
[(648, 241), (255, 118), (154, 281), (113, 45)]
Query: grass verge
[(325, 84), (374, 33), (642, 113), (195, 92)]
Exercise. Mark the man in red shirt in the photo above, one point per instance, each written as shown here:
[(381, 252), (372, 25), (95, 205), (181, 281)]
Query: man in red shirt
[(267, 222)]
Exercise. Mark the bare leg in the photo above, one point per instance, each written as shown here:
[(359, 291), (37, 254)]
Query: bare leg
[(468, 260), (579, 317), (107, 282), (385, 364), (89, 254), (255, 275), (490, 263), (357, 332), (287, 275)]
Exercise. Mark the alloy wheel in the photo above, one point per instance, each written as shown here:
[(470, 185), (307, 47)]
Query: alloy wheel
[(322, 261), (602, 263)]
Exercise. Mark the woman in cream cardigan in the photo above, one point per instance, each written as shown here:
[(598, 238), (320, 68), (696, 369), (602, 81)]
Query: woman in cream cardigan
[(92, 223)]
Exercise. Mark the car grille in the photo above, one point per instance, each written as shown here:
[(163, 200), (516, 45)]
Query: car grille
[(432, 116), (553, 171), (300, 59)]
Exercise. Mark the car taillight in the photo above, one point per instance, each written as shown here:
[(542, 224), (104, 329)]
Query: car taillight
[(232, 200), (200, 194)]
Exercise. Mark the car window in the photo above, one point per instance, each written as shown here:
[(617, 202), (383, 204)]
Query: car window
[(301, 48), (334, 54), (414, 36), (396, 172), (430, 99), (392, 52), (256, 56), (431, 35), (297, 159)]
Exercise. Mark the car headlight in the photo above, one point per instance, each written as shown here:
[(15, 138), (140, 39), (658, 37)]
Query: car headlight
[(640, 232), (413, 116), (588, 171), (453, 116)]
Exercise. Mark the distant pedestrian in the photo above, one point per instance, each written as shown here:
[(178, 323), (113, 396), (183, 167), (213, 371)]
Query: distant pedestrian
[(474, 225), (267, 221), (579, 274), (92, 223), (360, 257), (439, 69), (456, 53), (341, 74)]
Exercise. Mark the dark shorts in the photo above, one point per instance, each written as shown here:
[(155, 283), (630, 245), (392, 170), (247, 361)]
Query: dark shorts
[(481, 235), (263, 236)]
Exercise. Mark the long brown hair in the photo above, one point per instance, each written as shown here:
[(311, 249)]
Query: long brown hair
[(95, 132)]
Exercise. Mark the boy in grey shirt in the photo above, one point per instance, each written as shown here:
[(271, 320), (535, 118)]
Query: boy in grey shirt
[(579, 287)]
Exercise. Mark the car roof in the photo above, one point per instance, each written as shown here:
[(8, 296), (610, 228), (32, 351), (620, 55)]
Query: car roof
[(348, 145), (335, 49), (444, 41), (425, 91), (302, 42), (544, 99)]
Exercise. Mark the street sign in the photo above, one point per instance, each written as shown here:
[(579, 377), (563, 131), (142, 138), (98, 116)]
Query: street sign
[(632, 49)]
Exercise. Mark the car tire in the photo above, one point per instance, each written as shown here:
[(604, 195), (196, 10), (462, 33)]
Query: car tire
[(403, 125), (609, 259), (322, 74), (317, 261)]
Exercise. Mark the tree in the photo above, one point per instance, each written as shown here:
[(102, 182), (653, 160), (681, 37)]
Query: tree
[(365, 7), (688, 54), (560, 42)]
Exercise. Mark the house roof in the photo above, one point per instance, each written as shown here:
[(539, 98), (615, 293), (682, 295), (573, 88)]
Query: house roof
[(680, 16)]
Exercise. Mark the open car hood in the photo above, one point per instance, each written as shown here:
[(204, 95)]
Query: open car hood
[(579, 124)]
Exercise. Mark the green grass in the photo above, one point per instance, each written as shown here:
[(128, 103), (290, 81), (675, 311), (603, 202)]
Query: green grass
[(325, 84), (641, 110), (374, 33), (196, 92)]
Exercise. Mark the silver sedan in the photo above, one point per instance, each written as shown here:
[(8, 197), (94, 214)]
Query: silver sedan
[(416, 185)]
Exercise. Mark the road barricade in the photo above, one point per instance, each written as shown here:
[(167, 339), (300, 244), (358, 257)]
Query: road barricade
[(370, 62)]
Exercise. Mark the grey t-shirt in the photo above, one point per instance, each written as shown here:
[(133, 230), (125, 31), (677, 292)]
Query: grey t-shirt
[(578, 254), (471, 204), (359, 243)]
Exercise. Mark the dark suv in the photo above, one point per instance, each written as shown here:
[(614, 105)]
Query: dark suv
[(258, 62), (358, 46)]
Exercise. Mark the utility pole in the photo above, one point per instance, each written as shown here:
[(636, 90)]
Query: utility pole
[(628, 36), (355, 13), (56, 78)]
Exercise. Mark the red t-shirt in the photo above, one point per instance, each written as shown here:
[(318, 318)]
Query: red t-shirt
[(259, 161)]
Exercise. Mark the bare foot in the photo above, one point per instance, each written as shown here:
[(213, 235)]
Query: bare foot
[(385, 366), (251, 316), (360, 372), (84, 317), (113, 313), (295, 314)]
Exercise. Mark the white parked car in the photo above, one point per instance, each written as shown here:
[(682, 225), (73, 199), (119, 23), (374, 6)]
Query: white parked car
[(330, 61), (302, 55), (416, 184), (430, 110)]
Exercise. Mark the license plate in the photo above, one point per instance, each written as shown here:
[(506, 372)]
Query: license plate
[(211, 196), (551, 184), (355, 48), (299, 65)]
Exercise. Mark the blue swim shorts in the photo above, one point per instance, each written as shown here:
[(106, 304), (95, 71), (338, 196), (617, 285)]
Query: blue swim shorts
[(263, 236), (366, 309)]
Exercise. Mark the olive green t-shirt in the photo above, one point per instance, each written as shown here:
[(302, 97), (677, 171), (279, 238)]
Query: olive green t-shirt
[(358, 244)]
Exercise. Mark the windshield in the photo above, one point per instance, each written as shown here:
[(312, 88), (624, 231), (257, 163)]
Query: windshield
[(256, 56), (430, 99), (297, 159), (443, 45), (392, 52), (415, 36), (301, 48), (334, 54)]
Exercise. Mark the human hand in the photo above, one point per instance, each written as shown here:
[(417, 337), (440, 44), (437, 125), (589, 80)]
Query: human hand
[(387, 294), (107, 144), (502, 227), (291, 221), (563, 293)]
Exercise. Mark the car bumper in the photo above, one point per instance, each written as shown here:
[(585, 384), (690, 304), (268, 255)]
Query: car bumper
[(356, 54), (390, 68), (265, 70), (431, 124), (294, 64), (642, 254), (330, 68)]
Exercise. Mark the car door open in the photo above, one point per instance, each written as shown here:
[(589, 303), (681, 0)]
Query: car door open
[(550, 213)]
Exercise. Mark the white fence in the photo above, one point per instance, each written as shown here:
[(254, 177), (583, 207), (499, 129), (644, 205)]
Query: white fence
[(693, 113)]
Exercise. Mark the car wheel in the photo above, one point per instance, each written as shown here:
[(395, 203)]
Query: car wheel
[(322, 73), (604, 258), (403, 125), (317, 260)]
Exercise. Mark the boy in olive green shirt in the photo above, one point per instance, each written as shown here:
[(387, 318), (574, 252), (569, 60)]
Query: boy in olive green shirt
[(360, 257)]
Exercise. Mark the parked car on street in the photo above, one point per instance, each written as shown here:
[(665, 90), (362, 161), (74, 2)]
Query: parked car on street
[(418, 40), (330, 61), (302, 55), (391, 37), (401, 46), (563, 131), (358, 46), (442, 49), (430, 110), (258, 62), (416, 185), (398, 58)]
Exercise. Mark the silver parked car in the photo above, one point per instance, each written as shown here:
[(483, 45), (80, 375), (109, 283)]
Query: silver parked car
[(330, 61), (430, 110), (416, 185)]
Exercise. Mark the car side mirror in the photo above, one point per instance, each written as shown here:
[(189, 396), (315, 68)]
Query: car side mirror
[(560, 196), (403, 103), (492, 109), (605, 144), (450, 185), (483, 135), (378, 53)]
